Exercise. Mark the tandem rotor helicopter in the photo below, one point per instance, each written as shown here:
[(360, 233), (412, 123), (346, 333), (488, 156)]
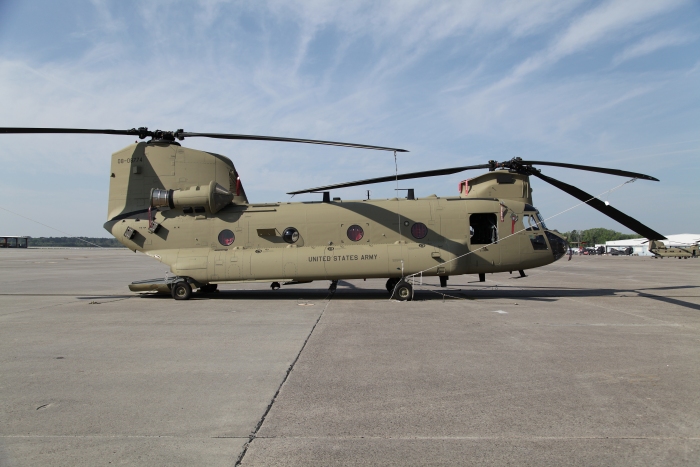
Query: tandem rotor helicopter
[(188, 209)]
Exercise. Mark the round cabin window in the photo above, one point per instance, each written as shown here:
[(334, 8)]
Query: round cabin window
[(355, 233), (290, 235), (419, 230), (226, 237)]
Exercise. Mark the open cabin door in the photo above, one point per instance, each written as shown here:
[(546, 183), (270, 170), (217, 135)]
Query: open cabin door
[(484, 240)]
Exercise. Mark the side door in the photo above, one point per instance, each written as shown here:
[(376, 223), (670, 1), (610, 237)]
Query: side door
[(484, 240)]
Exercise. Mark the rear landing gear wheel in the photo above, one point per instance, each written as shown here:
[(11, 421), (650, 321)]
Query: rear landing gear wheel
[(275, 285), (181, 291), (403, 291)]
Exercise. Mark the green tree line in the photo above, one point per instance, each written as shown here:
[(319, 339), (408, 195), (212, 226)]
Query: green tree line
[(75, 242), (598, 235)]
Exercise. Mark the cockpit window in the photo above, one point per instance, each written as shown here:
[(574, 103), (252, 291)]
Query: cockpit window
[(539, 216), (530, 222)]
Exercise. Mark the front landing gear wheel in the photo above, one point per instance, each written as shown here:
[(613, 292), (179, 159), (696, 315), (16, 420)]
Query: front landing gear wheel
[(275, 285), (181, 291), (391, 283), (403, 291)]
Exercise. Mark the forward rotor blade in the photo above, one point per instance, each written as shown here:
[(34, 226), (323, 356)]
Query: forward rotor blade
[(288, 140), (595, 203), (369, 181), (603, 170)]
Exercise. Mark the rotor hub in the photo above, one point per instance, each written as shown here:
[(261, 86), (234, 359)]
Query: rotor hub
[(515, 165)]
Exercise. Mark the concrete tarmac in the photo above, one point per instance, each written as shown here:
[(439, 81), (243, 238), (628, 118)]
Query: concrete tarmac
[(592, 361)]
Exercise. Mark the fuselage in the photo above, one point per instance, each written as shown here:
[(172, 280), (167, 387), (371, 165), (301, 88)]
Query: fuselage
[(346, 239), (187, 208)]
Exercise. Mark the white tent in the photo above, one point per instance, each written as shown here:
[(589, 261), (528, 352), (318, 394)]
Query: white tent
[(640, 246)]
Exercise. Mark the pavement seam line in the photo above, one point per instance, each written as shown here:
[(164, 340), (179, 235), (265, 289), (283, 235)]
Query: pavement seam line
[(254, 434), (116, 436), (485, 438)]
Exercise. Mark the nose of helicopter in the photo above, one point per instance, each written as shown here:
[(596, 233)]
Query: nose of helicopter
[(558, 244)]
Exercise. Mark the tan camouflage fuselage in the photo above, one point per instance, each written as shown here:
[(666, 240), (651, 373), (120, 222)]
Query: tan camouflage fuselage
[(187, 238)]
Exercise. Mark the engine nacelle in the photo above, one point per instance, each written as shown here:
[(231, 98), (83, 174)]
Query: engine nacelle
[(213, 197)]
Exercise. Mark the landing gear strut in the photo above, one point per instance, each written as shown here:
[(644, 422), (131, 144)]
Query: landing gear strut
[(333, 286)]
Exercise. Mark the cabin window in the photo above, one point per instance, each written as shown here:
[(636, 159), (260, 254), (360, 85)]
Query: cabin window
[(290, 235), (419, 230), (226, 237), (483, 228), (355, 233)]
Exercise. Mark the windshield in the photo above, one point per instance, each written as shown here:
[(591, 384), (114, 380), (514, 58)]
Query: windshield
[(530, 222), (539, 216)]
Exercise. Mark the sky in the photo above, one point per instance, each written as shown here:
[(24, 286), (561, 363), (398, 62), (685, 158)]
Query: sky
[(613, 83)]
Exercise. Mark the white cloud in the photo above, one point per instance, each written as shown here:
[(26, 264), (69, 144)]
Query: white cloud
[(598, 25), (653, 43), (404, 73)]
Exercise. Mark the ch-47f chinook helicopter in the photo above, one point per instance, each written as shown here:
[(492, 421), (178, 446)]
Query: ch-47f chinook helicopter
[(188, 209)]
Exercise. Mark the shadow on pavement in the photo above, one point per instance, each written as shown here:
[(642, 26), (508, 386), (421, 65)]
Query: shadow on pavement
[(431, 293)]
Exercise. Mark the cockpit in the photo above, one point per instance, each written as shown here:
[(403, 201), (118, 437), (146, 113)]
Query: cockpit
[(530, 223), (534, 222)]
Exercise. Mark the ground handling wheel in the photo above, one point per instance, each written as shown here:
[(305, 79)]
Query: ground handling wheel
[(181, 290), (403, 291)]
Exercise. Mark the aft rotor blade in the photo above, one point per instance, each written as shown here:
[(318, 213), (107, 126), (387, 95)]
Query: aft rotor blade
[(595, 203), (179, 134), (369, 181), (7, 130), (603, 170), (288, 140)]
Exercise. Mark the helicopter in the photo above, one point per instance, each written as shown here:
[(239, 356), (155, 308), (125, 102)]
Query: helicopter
[(188, 209)]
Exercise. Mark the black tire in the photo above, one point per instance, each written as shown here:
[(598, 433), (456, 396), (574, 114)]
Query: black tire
[(391, 283), (403, 292), (181, 291)]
